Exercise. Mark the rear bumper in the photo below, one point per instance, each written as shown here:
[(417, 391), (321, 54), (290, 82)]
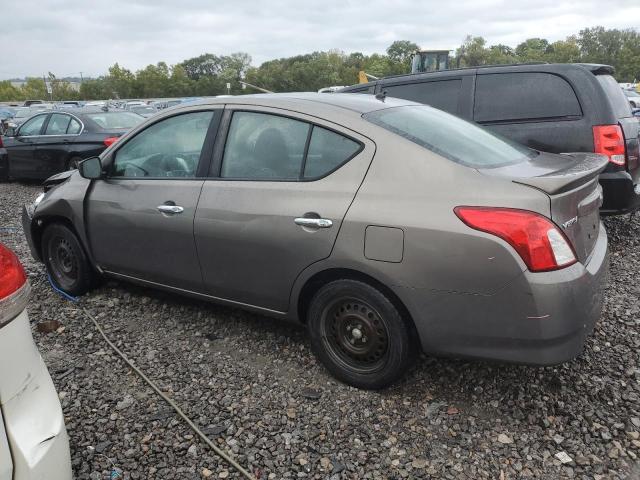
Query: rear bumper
[(33, 418), (621, 195), (539, 318)]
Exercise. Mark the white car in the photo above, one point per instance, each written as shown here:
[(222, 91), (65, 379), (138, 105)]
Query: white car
[(33, 438)]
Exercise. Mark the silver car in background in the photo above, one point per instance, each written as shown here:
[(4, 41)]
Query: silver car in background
[(33, 438), (383, 225)]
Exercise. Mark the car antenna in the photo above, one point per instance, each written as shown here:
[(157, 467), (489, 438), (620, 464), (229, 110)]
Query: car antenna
[(381, 95)]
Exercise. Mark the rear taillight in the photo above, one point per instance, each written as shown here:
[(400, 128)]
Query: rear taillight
[(538, 241), (14, 288), (609, 140), (1, 145), (110, 141)]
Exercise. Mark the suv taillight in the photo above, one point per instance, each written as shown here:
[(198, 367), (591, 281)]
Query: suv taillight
[(609, 140), (538, 241), (14, 287)]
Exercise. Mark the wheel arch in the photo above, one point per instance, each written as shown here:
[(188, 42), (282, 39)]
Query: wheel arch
[(39, 225), (323, 277)]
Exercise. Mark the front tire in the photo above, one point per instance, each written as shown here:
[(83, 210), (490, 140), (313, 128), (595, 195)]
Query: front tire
[(359, 334), (66, 261)]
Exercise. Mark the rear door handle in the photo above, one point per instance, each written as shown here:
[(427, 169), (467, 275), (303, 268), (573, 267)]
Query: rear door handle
[(170, 209), (313, 222)]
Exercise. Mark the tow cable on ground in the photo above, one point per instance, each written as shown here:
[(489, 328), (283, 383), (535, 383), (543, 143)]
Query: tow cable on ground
[(221, 453)]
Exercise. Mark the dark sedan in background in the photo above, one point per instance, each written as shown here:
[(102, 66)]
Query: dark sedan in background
[(54, 141)]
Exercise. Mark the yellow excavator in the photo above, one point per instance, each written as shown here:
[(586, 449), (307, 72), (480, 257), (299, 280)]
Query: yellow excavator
[(422, 61)]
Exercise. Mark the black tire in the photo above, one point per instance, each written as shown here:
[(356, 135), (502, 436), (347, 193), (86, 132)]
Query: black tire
[(359, 334), (72, 163), (66, 261)]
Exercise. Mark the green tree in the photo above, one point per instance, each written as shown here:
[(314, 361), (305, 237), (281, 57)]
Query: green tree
[(472, 52), (400, 52), (532, 50), (9, 93), (563, 51)]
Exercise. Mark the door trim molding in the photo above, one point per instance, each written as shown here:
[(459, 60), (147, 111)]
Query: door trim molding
[(191, 293)]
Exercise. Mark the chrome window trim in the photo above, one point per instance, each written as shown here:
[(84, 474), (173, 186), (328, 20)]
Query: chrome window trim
[(65, 134)]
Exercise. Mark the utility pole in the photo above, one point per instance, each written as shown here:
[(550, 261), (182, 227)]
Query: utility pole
[(81, 79)]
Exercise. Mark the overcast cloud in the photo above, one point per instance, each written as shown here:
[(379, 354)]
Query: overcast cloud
[(69, 36)]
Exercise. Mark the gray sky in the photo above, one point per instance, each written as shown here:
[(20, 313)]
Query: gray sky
[(69, 36)]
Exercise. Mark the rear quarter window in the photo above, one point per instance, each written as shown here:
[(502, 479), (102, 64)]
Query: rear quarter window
[(524, 96), (442, 94), (619, 103)]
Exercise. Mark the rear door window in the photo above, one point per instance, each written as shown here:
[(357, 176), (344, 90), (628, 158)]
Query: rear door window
[(442, 94), (619, 103), (58, 124), (262, 146), (524, 96)]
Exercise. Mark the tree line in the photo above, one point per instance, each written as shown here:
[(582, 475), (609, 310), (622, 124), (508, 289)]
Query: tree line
[(208, 74)]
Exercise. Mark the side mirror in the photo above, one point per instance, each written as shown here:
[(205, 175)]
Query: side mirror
[(10, 131), (91, 168)]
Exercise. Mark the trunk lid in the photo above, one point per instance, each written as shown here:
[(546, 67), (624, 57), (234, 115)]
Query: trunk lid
[(575, 196)]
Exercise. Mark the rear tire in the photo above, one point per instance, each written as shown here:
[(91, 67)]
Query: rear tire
[(359, 334), (66, 261)]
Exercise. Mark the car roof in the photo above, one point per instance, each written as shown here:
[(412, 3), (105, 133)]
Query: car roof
[(359, 104), (595, 68)]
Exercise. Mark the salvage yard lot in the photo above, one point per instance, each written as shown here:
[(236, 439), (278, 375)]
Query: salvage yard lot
[(252, 384)]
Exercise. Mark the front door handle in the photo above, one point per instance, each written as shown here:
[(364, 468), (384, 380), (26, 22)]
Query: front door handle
[(313, 222), (170, 209)]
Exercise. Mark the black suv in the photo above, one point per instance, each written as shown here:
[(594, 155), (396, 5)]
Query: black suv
[(550, 107)]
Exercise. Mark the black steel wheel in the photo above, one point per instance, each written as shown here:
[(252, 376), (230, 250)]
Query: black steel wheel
[(355, 334), (65, 259), (359, 335)]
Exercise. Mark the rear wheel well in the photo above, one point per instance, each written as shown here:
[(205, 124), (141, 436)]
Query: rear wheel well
[(320, 279)]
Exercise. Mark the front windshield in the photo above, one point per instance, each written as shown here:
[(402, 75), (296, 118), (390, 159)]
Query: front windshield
[(453, 138), (115, 120)]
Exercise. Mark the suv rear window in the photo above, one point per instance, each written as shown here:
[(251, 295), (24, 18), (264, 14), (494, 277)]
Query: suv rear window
[(523, 96), (619, 103), (453, 138)]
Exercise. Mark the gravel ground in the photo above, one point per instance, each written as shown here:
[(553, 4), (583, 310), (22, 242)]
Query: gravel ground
[(253, 385)]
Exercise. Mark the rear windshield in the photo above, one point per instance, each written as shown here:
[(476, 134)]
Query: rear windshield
[(619, 103), (115, 120), (456, 139)]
